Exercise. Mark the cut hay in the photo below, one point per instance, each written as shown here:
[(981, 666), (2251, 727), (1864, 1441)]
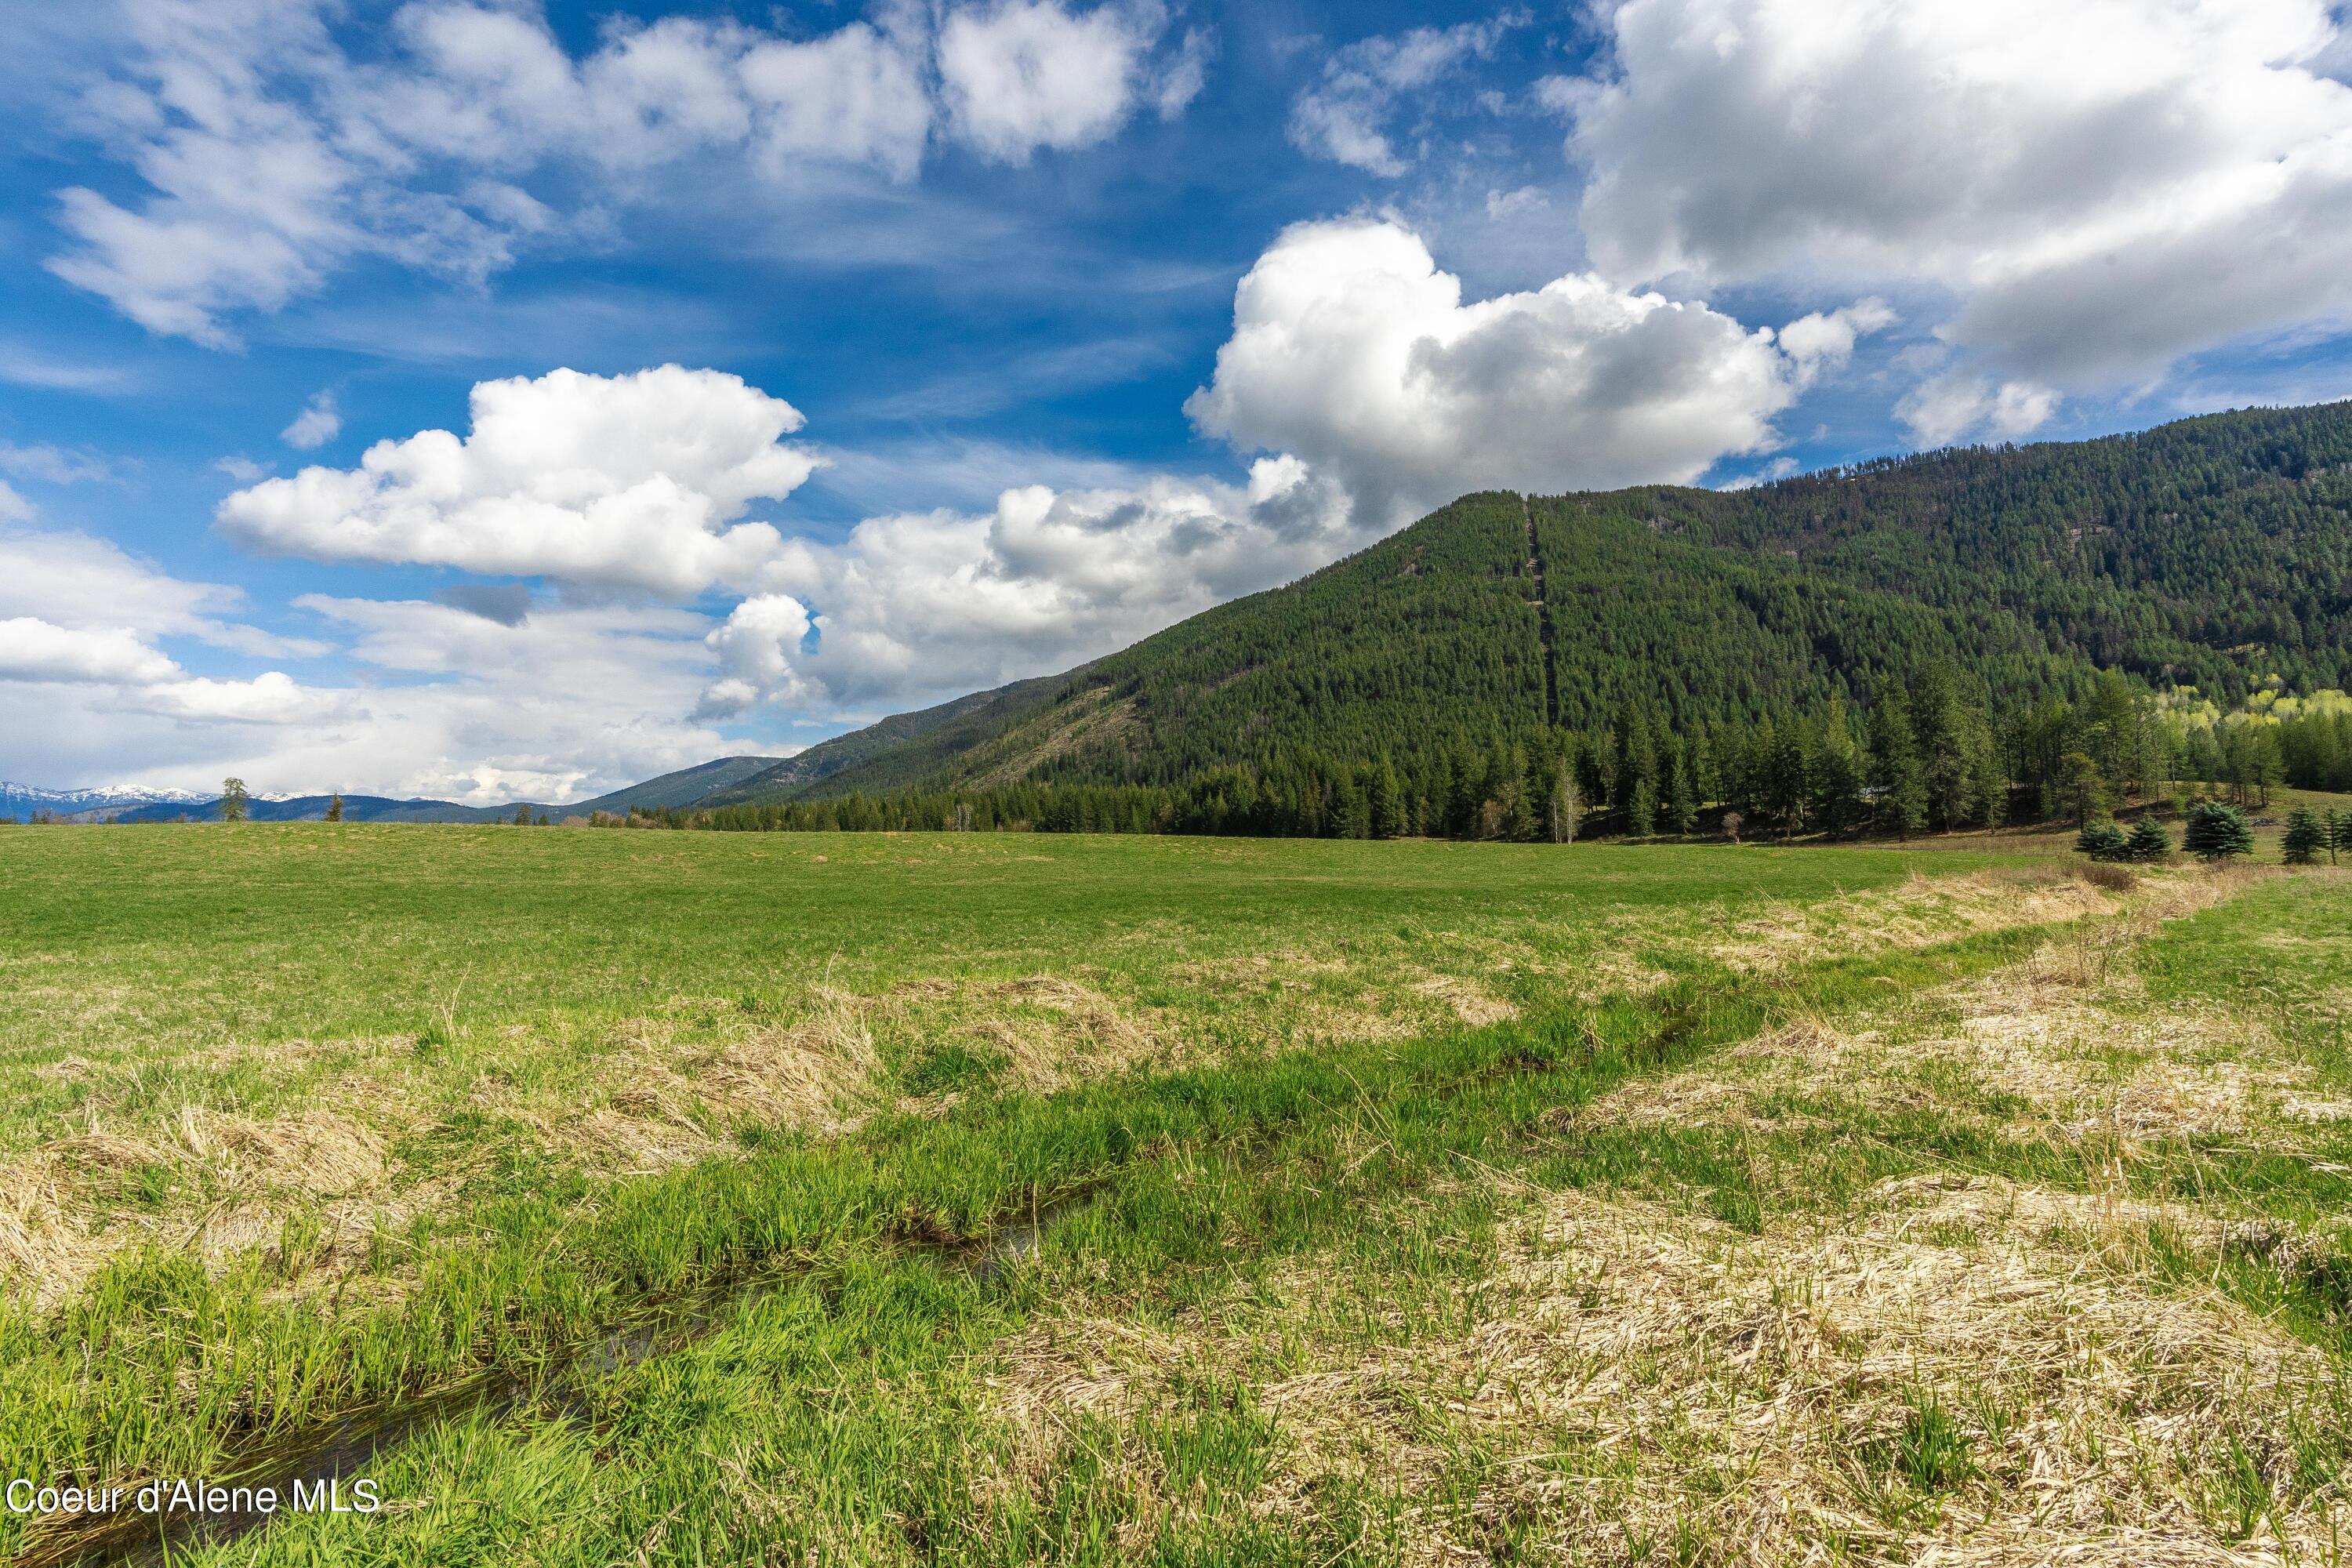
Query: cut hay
[(1671, 1359), (1920, 912), (1956, 1369)]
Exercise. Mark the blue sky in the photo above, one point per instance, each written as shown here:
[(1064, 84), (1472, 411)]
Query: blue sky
[(1007, 331)]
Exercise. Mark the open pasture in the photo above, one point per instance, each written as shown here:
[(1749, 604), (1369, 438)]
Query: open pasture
[(1392, 1201)]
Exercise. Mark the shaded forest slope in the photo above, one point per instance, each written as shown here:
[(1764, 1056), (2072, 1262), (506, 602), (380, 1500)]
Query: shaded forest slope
[(2213, 552)]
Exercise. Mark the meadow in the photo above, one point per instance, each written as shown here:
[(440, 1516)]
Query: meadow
[(748, 1198)]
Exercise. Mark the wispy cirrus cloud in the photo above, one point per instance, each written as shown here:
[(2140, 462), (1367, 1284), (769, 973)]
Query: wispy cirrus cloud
[(1348, 114), (274, 159)]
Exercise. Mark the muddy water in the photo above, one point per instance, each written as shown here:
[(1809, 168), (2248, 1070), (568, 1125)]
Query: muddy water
[(343, 1450)]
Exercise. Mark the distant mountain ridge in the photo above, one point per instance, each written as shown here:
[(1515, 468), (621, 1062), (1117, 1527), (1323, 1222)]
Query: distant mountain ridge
[(128, 805), (22, 800)]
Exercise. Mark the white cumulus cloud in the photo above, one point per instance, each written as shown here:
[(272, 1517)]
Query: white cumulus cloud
[(569, 702), (79, 619), (1021, 74), (852, 97), (1946, 407), (140, 678), (2099, 187), (926, 605), (78, 580), (629, 481), (34, 649), (1352, 351)]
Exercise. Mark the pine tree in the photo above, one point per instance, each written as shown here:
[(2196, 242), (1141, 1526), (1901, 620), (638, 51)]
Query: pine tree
[(335, 806), (2217, 831), (1788, 772), (2339, 835), (1637, 771), (1641, 810), (2114, 728), (1839, 803), (235, 805), (2306, 837), (2103, 841), (1387, 800), (1902, 798), (1681, 797), (2082, 793), (1939, 735), (1707, 774), (2150, 841)]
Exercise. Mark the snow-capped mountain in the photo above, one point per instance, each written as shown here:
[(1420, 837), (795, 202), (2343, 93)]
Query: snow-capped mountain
[(23, 800)]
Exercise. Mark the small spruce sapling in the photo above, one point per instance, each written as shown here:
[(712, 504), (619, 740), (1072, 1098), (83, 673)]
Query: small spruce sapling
[(2306, 837), (2149, 842), (2217, 831), (2103, 841)]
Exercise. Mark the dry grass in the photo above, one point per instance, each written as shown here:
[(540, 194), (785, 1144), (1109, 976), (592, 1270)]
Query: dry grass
[(1920, 912), (1054, 1031), (1469, 1002), (252, 1174), (1757, 1392), (659, 1096), (666, 1102), (1957, 1370), (1640, 1375), (2065, 1032)]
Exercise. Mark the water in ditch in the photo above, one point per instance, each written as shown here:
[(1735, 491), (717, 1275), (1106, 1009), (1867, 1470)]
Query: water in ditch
[(340, 1451)]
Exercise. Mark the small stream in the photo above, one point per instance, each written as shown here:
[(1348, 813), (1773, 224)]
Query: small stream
[(342, 1449)]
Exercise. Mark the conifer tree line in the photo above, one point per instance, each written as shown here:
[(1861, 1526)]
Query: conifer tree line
[(1929, 753), (1633, 630)]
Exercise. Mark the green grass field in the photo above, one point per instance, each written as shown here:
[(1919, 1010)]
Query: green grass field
[(1410, 1201)]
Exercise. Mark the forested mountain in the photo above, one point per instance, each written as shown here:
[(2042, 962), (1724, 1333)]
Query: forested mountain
[(2215, 551), (679, 788), (2208, 552), (899, 749)]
